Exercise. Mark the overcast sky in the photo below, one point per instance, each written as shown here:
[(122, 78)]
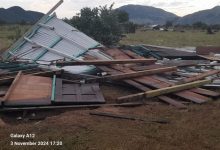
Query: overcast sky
[(71, 7)]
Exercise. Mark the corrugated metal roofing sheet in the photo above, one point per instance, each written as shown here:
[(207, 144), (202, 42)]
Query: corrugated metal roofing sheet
[(59, 36), (63, 38)]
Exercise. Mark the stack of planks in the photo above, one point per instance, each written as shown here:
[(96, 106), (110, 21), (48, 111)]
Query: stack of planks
[(150, 80)]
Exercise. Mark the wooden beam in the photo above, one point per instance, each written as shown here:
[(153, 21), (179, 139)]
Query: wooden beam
[(167, 90), (128, 117), (122, 76), (142, 87), (12, 86), (106, 62), (199, 77)]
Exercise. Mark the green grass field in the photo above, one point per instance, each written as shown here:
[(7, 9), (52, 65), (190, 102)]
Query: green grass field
[(10, 33), (173, 39)]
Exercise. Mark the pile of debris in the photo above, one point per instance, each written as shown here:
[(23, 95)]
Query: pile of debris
[(54, 66)]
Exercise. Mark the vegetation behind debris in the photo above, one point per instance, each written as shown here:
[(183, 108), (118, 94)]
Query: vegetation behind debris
[(102, 23), (173, 38)]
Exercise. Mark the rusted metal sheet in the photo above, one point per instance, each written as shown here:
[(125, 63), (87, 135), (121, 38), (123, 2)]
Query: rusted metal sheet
[(29, 90), (78, 93)]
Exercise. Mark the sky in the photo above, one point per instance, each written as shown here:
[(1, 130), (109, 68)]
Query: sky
[(70, 7)]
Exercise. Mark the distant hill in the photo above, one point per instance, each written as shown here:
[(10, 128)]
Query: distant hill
[(148, 15), (17, 15), (209, 16)]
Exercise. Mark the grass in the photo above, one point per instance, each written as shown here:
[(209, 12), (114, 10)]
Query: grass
[(173, 39), (10, 33)]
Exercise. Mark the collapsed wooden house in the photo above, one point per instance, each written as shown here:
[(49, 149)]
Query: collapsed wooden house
[(54, 65)]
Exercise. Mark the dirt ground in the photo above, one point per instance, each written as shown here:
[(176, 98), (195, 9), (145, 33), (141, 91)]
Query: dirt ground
[(196, 128)]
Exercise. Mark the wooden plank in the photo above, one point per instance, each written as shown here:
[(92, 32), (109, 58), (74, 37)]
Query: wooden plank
[(206, 92), (106, 62), (30, 90), (128, 117), (42, 73), (148, 67), (194, 97), (132, 54), (167, 90), (196, 90), (144, 88), (12, 86), (149, 81), (172, 102), (199, 77), (122, 76)]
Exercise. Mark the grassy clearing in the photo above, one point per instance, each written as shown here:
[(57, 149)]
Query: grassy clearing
[(10, 33), (175, 39)]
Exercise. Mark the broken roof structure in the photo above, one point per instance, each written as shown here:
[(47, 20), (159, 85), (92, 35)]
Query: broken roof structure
[(51, 39)]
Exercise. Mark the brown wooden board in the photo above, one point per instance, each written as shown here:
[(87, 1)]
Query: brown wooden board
[(147, 80), (142, 87), (77, 93), (29, 90)]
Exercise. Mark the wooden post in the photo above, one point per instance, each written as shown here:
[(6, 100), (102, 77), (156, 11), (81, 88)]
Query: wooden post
[(167, 90)]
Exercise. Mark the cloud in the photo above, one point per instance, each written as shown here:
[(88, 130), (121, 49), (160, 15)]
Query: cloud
[(71, 7)]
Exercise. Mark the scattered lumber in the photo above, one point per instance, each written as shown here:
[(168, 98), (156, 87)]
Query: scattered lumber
[(133, 74), (128, 117), (106, 62), (167, 90), (199, 77), (142, 87)]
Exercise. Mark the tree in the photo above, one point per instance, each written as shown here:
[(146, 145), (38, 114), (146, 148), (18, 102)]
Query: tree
[(101, 23), (209, 30), (200, 25), (122, 16), (168, 24)]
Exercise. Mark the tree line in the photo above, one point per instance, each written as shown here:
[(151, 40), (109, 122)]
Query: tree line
[(103, 23)]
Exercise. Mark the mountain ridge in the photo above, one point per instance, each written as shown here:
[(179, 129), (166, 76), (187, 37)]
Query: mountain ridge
[(17, 14), (208, 16)]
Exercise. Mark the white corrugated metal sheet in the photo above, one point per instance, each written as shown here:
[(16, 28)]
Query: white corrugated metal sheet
[(63, 38)]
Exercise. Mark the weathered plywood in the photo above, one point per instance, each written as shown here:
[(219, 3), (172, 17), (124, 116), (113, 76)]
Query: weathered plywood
[(29, 90)]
